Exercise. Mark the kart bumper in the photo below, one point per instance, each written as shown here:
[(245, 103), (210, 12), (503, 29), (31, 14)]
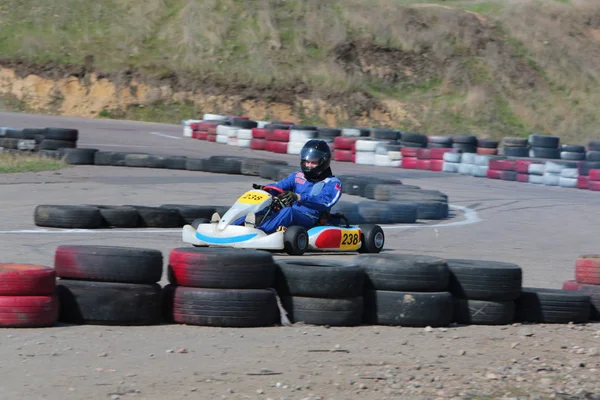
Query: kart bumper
[(234, 236)]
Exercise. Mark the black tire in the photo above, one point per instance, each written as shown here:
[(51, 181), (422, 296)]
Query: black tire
[(295, 240), (251, 166), (514, 142), (404, 272), (78, 156), (570, 155), (221, 268), (372, 212), (323, 279), (484, 280), (51, 144), (585, 166), (515, 151), (552, 306), (118, 216), (435, 209), (445, 141), (385, 134), (157, 217), (109, 303), (572, 148), (144, 161), (236, 308), (544, 152), (324, 311), (189, 213), (34, 134), (481, 312), (464, 139), (225, 165), (67, 216), (488, 143), (328, 133), (113, 158), (408, 308), (372, 238), (465, 147), (197, 164), (61, 134), (269, 171), (414, 138), (243, 123), (176, 162), (108, 263), (544, 141), (592, 155)]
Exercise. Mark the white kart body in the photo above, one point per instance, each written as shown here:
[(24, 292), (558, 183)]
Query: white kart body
[(226, 235)]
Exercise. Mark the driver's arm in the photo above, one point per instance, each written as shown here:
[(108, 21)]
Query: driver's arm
[(325, 199), (287, 183)]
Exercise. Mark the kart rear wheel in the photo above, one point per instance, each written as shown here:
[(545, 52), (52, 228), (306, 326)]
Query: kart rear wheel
[(372, 239), (295, 240)]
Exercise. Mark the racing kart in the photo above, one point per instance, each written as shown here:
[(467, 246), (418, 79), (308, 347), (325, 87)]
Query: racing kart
[(331, 233)]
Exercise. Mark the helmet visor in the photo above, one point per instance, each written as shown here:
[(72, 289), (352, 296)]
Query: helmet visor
[(311, 154)]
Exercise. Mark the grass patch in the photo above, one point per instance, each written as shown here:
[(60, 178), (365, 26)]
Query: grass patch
[(10, 163)]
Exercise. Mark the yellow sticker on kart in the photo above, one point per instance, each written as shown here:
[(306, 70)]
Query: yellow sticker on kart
[(350, 239), (252, 198)]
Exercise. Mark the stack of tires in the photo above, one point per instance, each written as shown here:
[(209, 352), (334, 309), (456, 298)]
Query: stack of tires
[(544, 146), (299, 135), (321, 292), (465, 143), (560, 173), (452, 161), (514, 147), (406, 290), (109, 285), (502, 169), (593, 182), (221, 287), (587, 281), (27, 296), (485, 292), (487, 147)]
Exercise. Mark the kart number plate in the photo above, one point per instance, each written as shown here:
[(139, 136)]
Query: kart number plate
[(350, 240), (253, 198)]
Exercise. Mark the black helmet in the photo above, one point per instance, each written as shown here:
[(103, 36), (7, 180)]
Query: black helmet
[(318, 151)]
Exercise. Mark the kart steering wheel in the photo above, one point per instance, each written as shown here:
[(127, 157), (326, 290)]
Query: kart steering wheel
[(274, 188)]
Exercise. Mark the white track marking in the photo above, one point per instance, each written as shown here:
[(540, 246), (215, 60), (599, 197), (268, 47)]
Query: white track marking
[(470, 217), (164, 135)]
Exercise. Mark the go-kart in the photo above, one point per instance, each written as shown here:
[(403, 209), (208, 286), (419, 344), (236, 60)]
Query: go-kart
[(331, 233)]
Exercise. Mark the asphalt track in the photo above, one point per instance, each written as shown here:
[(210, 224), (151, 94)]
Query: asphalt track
[(543, 229)]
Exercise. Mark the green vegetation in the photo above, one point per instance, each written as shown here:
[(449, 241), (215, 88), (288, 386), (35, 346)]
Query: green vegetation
[(28, 163), (489, 67)]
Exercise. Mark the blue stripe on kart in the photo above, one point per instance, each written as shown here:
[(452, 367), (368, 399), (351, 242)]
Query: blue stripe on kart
[(234, 239)]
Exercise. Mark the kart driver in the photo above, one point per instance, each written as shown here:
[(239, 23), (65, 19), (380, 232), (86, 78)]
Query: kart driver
[(307, 193)]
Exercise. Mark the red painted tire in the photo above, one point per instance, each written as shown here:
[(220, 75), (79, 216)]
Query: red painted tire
[(221, 268), (594, 174), (200, 135), (276, 147), (423, 154), (278, 135), (522, 166), (422, 164), (438, 153), (211, 138), (204, 126), (259, 133), (345, 142), (493, 173), (28, 311), (502, 165), (26, 280), (409, 162), (594, 185), (343, 155), (587, 269), (487, 151), (523, 178), (583, 182), (436, 165), (409, 152), (258, 144)]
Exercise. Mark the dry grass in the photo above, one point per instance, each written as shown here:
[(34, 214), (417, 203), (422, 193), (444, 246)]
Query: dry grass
[(28, 163), (494, 68)]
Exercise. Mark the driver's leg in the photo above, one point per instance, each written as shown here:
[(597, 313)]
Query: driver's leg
[(288, 216)]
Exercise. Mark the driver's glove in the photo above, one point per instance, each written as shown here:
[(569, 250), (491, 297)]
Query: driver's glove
[(257, 186), (288, 197)]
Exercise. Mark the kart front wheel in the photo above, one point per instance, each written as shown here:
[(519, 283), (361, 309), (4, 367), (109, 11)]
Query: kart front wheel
[(372, 239), (295, 240)]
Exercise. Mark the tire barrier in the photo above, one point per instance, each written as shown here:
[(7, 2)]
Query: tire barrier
[(47, 142), (112, 285), (463, 154)]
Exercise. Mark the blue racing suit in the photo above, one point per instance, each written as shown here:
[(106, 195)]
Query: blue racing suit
[(315, 198)]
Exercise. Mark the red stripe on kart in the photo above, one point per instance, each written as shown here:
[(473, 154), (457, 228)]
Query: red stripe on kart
[(329, 239)]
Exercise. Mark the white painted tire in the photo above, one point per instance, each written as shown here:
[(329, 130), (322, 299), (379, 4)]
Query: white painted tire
[(536, 169), (302, 136), (452, 157), (450, 166), (569, 173), (295, 147), (465, 169), (553, 168), (187, 131), (232, 132), (243, 142), (482, 160), (479, 171), (244, 134), (350, 132), (382, 160), (232, 141), (550, 179), (395, 155), (214, 117), (222, 139), (468, 158), (536, 179), (223, 129), (567, 182), (365, 158), (366, 145), (262, 124)]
